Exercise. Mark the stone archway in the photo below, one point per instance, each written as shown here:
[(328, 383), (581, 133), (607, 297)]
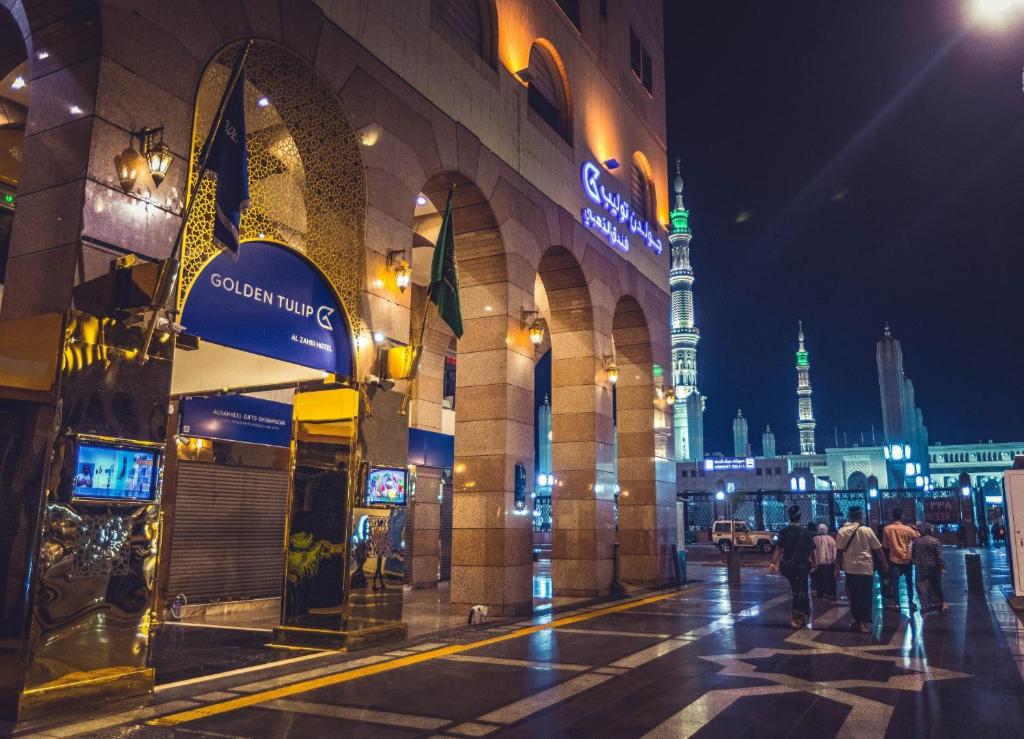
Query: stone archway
[(583, 526), (646, 473), (306, 177), (38, 267), (14, 77), (491, 541), (857, 481)]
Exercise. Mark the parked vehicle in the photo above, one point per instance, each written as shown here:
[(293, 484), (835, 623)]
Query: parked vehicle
[(728, 534)]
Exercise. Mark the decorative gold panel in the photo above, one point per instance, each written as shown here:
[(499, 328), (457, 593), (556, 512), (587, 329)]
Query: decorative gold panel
[(306, 178)]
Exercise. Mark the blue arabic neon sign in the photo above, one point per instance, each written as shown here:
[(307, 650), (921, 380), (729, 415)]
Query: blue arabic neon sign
[(615, 211)]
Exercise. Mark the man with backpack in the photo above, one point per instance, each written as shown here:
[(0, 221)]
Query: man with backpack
[(859, 548), (793, 558)]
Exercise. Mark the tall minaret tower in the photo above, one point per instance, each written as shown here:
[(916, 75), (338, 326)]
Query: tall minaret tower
[(740, 437), (805, 420), (768, 443), (688, 418)]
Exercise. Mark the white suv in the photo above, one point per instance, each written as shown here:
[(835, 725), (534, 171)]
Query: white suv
[(728, 534)]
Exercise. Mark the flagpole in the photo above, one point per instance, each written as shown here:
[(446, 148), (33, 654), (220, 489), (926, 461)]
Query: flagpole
[(169, 269), (417, 355)]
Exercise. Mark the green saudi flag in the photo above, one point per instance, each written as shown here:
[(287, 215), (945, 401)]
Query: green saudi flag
[(444, 274)]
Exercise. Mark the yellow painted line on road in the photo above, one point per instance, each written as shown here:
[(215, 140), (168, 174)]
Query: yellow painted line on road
[(245, 701)]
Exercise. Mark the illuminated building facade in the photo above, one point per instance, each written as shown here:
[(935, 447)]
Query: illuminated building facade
[(689, 409), (544, 120), (805, 409)]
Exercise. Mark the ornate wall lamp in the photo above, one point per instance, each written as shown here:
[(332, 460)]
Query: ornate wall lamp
[(611, 370), (398, 264), (530, 322), (156, 157), (669, 394)]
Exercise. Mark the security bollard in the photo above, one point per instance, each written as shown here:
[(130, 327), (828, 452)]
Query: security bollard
[(732, 563), (975, 581)]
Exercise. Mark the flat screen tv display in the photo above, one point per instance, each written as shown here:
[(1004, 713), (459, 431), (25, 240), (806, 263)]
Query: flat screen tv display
[(386, 485), (115, 472)]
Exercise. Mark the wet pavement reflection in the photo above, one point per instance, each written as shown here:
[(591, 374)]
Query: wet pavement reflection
[(708, 661)]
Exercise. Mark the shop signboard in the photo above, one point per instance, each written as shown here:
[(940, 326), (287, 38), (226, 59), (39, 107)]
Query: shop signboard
[(237, 418), (732, 464), (270, 301)]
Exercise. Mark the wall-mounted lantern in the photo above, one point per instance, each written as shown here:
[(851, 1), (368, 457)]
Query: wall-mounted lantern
[(611, 370), (529, 321), (398, 264), (156, 157)]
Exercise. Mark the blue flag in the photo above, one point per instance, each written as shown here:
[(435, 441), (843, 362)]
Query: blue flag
[(229, 158)]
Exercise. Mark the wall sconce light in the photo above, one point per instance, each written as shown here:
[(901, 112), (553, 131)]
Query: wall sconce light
[(127, 166), (156, 156), (611, 163), (670, 396), (530, 322), (611, 370), (398, 264)]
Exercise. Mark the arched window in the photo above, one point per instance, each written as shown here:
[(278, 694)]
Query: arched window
[(472, 21), (548, 91), (642, 198)]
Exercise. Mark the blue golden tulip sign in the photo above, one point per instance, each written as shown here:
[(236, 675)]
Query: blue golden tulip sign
[(270, 301)]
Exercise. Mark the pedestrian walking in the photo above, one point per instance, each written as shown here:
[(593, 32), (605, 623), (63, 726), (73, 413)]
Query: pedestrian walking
[(896, 540), (926, 552), (794, 558), (824, 563), (857, 550)]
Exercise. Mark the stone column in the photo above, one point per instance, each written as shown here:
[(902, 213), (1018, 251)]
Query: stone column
[(72, 215), (492, 561), (583, 526), (426, 517), (646, 474)]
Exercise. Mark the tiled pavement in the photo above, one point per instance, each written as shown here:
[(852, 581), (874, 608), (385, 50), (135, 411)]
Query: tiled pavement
[(703, 662)]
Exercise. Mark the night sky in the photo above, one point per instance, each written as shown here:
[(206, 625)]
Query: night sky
[(852, 163)]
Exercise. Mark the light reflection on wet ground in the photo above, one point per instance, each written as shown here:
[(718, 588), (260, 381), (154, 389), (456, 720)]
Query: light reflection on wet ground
[(710, 662)]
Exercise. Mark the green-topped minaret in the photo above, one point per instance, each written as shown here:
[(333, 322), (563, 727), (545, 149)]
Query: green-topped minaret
[(805, 409), (688, 418)]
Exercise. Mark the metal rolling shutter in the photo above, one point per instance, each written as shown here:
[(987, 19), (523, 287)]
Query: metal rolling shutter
[(228, 537)]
